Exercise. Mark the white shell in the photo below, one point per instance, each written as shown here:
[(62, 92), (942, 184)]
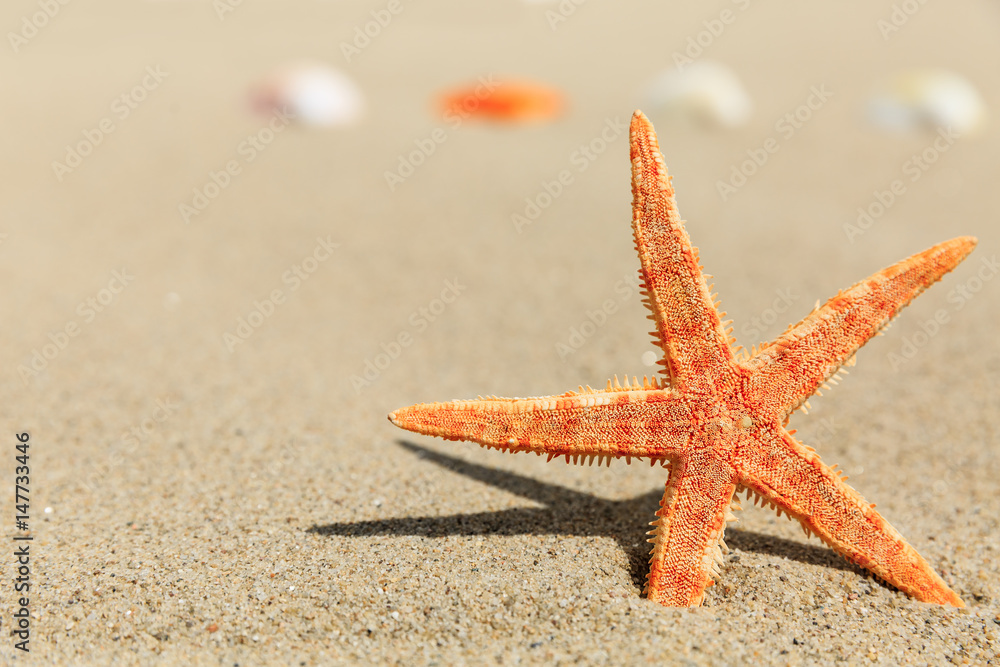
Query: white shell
[(313, 94), (928, 98), (705, 90)]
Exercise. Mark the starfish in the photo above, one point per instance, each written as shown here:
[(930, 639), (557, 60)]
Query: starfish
[(716, 417)]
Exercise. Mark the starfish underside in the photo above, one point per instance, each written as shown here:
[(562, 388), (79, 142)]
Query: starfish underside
[(716, 417)]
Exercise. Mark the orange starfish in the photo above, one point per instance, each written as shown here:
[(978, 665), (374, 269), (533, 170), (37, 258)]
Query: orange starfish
[(718, 416)]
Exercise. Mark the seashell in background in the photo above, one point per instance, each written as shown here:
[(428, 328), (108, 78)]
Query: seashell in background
[(928, 99), (312, 93), (704, 90), (509, 101)]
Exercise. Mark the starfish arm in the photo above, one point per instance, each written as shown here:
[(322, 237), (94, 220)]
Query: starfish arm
[(791, 476), (688, 531), (645, 423), (789, 370), (689, 330)]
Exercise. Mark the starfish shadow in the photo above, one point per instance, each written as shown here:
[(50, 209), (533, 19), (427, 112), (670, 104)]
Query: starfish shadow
[(565, 512)]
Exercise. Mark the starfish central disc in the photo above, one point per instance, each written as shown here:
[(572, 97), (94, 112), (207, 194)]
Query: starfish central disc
[(719, 424)]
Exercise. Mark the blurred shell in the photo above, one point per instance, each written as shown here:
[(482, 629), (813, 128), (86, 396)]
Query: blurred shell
[(313, 94), (704, 90), (928, 98), (502, 101)]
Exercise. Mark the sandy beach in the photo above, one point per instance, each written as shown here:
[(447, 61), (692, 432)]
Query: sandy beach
[(213, 480)]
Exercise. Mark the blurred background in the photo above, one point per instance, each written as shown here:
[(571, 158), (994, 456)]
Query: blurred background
[(718, 80), (282, 220)]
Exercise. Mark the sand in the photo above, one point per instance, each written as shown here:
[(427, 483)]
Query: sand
[(253, 506)]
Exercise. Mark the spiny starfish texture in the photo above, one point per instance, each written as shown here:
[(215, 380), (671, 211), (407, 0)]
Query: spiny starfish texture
[(717, 416)]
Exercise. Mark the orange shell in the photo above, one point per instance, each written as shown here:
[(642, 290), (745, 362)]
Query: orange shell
[(502, 101)]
